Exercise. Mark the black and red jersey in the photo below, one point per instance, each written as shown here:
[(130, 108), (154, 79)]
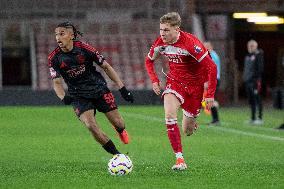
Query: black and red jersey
[(78, 69)]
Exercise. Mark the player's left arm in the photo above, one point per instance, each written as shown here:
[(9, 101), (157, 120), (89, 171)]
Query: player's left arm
[(112, 74), (212, 80), (100, 60), (201, 55)]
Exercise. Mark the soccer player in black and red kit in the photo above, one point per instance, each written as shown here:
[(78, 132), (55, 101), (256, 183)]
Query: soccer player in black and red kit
[(75, 62)]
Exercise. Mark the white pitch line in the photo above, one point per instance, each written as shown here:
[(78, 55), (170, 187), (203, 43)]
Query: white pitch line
[(225, 129)]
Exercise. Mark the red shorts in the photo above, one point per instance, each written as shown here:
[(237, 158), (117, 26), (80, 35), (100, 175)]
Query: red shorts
[(190, 97)]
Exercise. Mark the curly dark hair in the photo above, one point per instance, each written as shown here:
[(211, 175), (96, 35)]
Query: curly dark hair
[(70, 25)]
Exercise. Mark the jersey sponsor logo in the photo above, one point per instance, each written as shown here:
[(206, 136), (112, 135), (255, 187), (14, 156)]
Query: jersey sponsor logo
[(160, 49), (197, 49), (173, 50), (73, 73), (174, 58)]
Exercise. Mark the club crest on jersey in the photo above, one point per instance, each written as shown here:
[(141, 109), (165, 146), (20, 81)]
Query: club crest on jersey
[(197, 49), (80, 58)]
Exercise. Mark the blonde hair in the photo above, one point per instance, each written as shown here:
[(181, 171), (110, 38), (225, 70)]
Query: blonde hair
[(172, 18)]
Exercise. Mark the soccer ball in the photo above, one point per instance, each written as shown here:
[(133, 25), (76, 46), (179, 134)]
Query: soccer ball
[(120, 164)]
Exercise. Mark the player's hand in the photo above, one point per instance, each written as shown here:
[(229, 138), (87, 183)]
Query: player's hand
[(127, 95), (209, 103), (157, 88), (67, 100)]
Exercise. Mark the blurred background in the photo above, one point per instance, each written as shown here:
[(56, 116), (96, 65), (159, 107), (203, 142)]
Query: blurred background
[(123, 32)]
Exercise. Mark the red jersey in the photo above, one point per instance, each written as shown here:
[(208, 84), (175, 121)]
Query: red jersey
[(189, 62)]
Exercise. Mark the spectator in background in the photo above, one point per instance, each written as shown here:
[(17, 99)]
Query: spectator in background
[(252, 77), (217, 61)]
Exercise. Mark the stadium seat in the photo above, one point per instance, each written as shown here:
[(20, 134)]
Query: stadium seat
[(125, 52)]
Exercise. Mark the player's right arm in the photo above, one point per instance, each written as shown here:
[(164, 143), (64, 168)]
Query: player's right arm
[(149, 64), (57, 80), (58, 88)]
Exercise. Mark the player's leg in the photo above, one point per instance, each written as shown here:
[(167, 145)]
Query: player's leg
[(189, 124), (89, 120), (191, 109), (171, 106), (118, 123), (107, 105), (85, 111)]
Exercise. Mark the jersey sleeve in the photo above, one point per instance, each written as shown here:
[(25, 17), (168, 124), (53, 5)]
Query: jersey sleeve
[(149, 61), (54, 70), (196, 49), (94, 54), (98, 58), (211, 70)]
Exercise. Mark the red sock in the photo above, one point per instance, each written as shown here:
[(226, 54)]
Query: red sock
[(174, 135)]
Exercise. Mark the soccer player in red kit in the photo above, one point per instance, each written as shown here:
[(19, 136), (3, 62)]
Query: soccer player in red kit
[(190, 66)]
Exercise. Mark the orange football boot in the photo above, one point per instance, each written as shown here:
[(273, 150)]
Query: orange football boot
[(180, 165)]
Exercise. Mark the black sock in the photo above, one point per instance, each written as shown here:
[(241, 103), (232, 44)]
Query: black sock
[(110, 148), (214, 112), (119, 130)]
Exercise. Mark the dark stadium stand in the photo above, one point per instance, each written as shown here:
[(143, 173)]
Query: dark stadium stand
[(126, 53)]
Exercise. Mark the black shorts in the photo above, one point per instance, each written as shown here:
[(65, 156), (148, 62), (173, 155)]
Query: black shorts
[(104, 104)]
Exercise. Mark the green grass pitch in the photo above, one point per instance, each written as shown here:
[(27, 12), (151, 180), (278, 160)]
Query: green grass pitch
[(47, 147)]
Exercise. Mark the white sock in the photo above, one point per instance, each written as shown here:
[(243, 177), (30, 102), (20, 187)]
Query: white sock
[(179, 155)]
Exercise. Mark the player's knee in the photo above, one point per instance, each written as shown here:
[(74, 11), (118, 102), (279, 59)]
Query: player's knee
[(170, 115)]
